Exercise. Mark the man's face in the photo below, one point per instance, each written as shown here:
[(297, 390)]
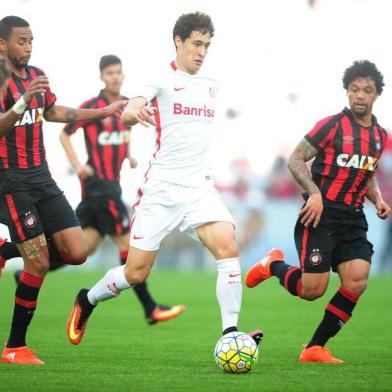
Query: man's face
[(192, 51), (113, 77), (362, 93), (18, 47)]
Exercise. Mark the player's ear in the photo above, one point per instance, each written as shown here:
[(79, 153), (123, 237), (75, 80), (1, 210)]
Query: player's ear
[(177, 41), (3, 46)]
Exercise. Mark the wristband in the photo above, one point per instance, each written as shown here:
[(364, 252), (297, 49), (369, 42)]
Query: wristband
[(19, 106)]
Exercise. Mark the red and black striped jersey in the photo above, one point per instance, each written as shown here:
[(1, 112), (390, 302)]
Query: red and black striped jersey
[(348, 155), (106, 140), (23, 147)]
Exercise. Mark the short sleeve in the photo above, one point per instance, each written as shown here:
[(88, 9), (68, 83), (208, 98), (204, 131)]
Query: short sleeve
[(320, 135)]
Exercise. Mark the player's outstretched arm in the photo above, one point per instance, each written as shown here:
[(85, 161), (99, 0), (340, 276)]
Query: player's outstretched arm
[(374, 195), (313, 209), (64, 114), (137, 111)]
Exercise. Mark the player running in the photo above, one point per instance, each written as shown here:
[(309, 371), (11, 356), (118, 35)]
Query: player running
[(178, 191), (331, 229), (31, 203)]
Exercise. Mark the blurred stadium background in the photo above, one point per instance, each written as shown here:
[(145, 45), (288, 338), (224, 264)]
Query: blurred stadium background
[(279, 63)]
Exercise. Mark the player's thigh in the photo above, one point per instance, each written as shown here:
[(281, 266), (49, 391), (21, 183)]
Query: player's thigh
[(219, 238), (87, 212), (92, 237), (160, 209), (314, 247), (19, 213), (116, 215), (209, 220), (121, 241), (70, 243), (35, 255), (314, 285)]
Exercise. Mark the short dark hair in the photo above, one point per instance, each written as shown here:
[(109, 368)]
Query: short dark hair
[(8, 23), (4, 72), (107, 60), (195, 21), (363, 69)]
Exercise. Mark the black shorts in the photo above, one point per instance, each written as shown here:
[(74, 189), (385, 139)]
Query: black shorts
[(31, 203), (339, 237), (107, 214)]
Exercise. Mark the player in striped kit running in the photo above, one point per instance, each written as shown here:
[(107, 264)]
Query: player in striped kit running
[(331, 230)]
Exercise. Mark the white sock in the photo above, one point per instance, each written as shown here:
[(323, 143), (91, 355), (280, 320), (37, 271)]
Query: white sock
[(109, 286), (229, 291)]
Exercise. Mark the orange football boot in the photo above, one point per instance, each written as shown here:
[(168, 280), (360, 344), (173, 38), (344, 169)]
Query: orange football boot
[(261, 270), (318, 354), (77, 320), (164, 313), (20, 356)]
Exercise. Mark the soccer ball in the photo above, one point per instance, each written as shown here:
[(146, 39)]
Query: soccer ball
[(236, 352)]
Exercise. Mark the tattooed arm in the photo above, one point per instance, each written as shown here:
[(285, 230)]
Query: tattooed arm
[(313, 208), (64, 114), (374, 195)]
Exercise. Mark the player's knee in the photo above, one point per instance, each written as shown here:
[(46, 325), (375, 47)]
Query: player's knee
[(227, 250), (312, 293), (357, 287), (136, 277), (75, 256)]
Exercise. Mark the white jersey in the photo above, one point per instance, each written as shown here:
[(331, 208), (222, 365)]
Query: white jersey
[(185, 106)]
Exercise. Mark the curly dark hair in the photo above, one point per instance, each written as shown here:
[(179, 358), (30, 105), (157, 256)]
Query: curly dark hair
[(363, 69), (195, 21)]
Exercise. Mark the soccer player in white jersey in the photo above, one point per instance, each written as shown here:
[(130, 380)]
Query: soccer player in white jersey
[(178, 191)]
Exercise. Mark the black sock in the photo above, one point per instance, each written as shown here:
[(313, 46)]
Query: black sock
[(141, 290), (25, 304), (337, 313), (289, 277), (145, 298), (9, 250), (230, 329)]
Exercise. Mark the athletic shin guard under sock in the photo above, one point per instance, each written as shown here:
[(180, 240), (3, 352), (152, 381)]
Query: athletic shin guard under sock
[(337, 313), (289, 277), (229, 291), (109, 286), (25, 304)]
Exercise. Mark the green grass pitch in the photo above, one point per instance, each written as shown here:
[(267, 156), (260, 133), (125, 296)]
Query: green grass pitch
[(120, 352)]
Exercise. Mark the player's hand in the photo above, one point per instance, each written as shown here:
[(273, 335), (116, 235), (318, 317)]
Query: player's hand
[(312, 210), (115, 108), (37, 86), (84, 171), (383, 209), (132, 163), (145, 116)]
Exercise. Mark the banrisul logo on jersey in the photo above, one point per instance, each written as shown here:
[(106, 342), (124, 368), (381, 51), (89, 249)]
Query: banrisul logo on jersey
[(203, 111), (106, 138), (357, 161)]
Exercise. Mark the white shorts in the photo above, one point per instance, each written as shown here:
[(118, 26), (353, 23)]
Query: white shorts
[(163, 206)]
